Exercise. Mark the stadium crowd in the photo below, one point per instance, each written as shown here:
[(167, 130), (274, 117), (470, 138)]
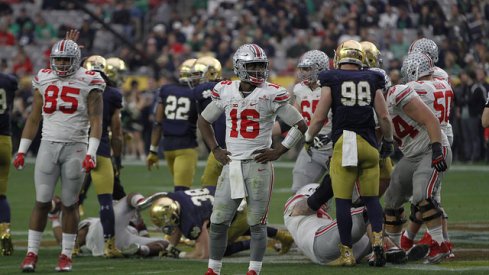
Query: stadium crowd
[(162, 34)]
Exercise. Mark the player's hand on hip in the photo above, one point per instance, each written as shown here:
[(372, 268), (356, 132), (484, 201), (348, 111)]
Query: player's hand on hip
[(152, 160), (88, 163), (19, 161), (437, 158), (222, 155), (265, 155), (386, 149)]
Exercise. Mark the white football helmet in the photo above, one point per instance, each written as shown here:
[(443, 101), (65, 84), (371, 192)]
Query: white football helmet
[(65, 49), (416, 65), (426, 46), (317, 61), (247, 54)]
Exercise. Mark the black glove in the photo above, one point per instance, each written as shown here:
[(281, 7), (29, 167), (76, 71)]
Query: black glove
[(117, 165), (173, 252), (437, 159), (320, 141), (386, 149)]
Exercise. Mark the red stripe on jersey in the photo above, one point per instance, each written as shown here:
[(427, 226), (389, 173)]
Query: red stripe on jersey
[(292, 200), (282, 97), (326, 229), (402, 95), (421, 92), (36, 79), (257, 50), (62, 46), (214, 94), (96, 81)]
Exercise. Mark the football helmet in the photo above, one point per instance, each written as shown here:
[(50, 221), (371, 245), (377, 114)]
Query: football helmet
[(206, 69), (372, 57), (95, 63), (115, 70), (310, 64), (416, 65), (165, 213), (185, 72), (245, 55), (65, 49), (426, 46), (350, 52)]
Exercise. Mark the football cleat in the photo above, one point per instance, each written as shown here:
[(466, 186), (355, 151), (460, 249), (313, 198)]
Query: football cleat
[(346, 257), (438, 252), (417, 252), (285, 240), (110, 250), (6, 246), (395, 256), (426, 239), (406, 243), (64, 263), (29, 262), (450, 246), (210, 272)]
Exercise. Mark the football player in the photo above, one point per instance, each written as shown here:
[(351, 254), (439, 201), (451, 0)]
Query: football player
[(8, 87), (353, 94), (208, 72), (103, 174), (251, 105), (69, 100), (175, 118), (415, 176)]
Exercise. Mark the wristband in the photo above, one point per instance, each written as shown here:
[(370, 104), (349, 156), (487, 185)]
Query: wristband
[(93, 144), (24, 145), (153, 149)]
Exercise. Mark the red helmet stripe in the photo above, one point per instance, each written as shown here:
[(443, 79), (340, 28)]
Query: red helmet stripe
[(257, 50), (62, 45)]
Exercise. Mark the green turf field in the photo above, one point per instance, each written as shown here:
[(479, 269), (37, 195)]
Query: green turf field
[(464, 197)]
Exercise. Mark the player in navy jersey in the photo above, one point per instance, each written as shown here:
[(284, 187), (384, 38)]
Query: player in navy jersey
[(103, 175), (352, 94), (176, 118), (8, 87)]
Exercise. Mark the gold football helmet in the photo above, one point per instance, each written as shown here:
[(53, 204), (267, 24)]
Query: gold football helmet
[(350, 52), (95, 63), (206, 69), (185, 72), (372, 55), (165, 213), (115, 70)]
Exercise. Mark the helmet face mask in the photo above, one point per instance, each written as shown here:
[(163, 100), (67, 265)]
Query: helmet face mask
[(65, 58), (349, 52), (426, 46), (310, 64), (165, 213), (415, 66), (251, 64)]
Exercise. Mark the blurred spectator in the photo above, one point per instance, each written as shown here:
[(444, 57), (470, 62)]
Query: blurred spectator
[(22, 19), (388, 19), (131, 121), (87, 35), (400, 46), (44, 30), (22, 64), (26, 35), (404, 20), (6, 37)]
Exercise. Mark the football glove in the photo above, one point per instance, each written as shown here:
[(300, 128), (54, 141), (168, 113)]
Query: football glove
[(386, 149), (320, 141), (437, 159), (172, 252), (88, 163), (19, 161), (152, 160)]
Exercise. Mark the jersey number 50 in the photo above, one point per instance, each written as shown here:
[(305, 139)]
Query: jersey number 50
[(355, 94), (51, 99)]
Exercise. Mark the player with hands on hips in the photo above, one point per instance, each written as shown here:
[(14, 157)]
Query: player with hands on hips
[(69, 100), (251, 105)]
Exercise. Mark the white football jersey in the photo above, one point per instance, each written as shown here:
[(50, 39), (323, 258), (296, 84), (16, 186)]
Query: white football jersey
[(64, 111), (438, 95), (412, 138), (249, 120), (440, 74), (307, 101)]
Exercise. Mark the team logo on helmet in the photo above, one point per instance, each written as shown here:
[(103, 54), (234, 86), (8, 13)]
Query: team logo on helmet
[(65, 57), (206, 69), (310, 64), (415, 66), (115, 70), (246, 55), (95, 63)]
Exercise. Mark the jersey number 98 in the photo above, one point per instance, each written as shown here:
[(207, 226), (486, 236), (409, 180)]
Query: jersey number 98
[(355, 93)]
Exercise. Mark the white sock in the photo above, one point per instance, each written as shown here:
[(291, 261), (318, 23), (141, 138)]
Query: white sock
[(410, 235), (256, 266), (395, 237), (135, 199), (437, 234), (215, 265), (67, 244), (34, 241)]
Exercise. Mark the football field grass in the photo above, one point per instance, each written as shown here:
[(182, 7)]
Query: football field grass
[(465, 195)]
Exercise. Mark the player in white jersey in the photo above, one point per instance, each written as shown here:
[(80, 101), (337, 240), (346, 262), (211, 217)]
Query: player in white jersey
[(69, 98), (314, 163), (429, 47), (438, 95), (426, 156), (251, 106)]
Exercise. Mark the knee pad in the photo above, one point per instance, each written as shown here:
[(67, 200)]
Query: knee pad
[(430, 209), (218, 228), (412, 217), (396, 217), (259, 231)]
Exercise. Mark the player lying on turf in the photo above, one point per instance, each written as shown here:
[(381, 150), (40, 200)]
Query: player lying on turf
[(316, 234), (90, 233)]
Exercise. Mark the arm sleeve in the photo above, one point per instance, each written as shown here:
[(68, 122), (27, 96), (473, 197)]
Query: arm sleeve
[(212, 112), (289, 114)]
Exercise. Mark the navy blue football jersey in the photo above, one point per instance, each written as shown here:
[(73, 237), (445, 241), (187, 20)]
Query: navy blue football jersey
[(202, 94), (195, 209), (8, 87), (180, 123), (353, 94), (112, 101)]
